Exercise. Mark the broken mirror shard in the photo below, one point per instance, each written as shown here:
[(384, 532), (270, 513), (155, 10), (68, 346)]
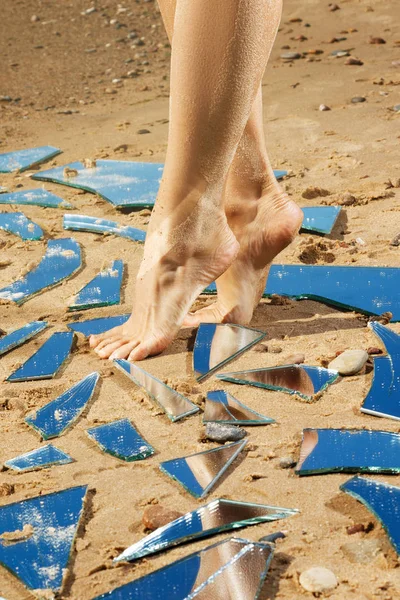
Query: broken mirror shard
[(198, 473), (121, 439), (217, 344), (103, 290), (57, 416), (383, 398), (96, 326), (172, 403), (302, 380), (17, 337), (212, 518), (224, 408), (348, 451), (320, 219), (62, 259), (37, 536), (231, 568), (40, 458), (382, 499), (95, 225), (18, 224), (37, 197), (47, 361), (21, 160)]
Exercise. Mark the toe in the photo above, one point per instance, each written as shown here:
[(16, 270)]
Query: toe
[(108, 349), (95, 340), (109, 340), (150, 347), (124, 350)]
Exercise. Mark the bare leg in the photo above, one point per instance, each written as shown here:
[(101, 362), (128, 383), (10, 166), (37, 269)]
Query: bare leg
[(219, 53)]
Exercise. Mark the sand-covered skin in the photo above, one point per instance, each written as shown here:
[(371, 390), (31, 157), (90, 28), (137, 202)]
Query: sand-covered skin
[(351, 148)]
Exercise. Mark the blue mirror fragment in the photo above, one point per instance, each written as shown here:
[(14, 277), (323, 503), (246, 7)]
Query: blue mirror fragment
[(47, 361), (50, 523), (95, 225), (217, 344), (21, 160), (172, 403), (17, 337), (205, 574), (62, 259), (18, 224), (302, 380), (121, 439), (102, 290), (57, 416), (40, 458), (320, 219), (348, 451), (198, 473), (224, 408), (212, 518), (382, 499), (96, 326), (35, 198)]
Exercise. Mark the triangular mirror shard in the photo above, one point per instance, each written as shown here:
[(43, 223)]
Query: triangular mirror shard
[(37, 197), (62, 259), (208, 573), (224, 408), (102, 290), (210, 519), (96, 326), (21, 160), (95, 225), (302, 380), (40, 458), (217, 344), (348, 451), (320, 219), (18, 224), (198, 473), (121, 439), (44, 530), (56, 416), (17, 337), (382, 499), (172, 403), (47, 361)]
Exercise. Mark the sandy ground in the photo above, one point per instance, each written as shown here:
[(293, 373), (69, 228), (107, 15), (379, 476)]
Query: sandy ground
[(58, 70)]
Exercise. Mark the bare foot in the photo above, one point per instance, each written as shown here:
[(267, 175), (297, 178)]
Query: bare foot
[(186, 248), (263, 225)]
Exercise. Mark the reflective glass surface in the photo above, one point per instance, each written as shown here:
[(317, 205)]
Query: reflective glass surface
[(172, 403), (95, 326), (231, 568), (349, 451), (198, 473), (303, 380), (40, 458), (217, 344), (39, 559), (121, 439), (37, 197), (212, 518), (102, 290), (320, 219), (47, 361), (19, 336), (62, 259), (95, 225), (21, 160), (382, 499), (18, 224), (222, 407), (56, 416)]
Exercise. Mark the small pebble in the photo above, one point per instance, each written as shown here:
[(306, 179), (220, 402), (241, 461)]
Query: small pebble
[(274, 349), (349, 362), (35, 18), (347, 199), (352, 529), (358, 99), (290, 55), (374, 350), (353, 61), (323, 107), (140, 131), (340, 53), (396, 108), (89, 163), (295, 359), (6, 489), (67, 172), (224, 433), (376, 40), (396, 240), (318, 580), (156, 516), (332, 7), (313, 191), (287, 462)]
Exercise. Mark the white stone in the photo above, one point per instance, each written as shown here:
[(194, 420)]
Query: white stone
[(318, 580), (349, 362)]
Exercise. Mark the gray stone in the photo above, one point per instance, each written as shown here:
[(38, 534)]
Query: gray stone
[(287, 462), (396, 240), (349, 362), (362, 552), (290, 55), (358, 99), (323, 107), (141, 131), (340, 53), (318, 580), (224, 433)]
